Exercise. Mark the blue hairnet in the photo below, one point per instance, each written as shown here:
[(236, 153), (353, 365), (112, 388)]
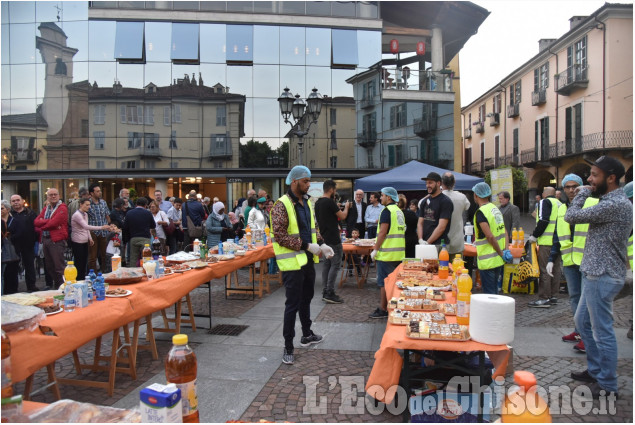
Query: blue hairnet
[(628, 190), (298, 172), (572, 178), (482, 190), (390, 191)]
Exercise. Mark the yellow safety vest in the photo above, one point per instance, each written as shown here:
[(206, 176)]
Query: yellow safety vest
[(486, 255), (579, 235), (547, 236), (629, 250), (564, 237), (289, 259), (394, 246)]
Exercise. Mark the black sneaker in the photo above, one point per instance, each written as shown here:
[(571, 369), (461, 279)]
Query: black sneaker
[(332, 298), (306, 341), (378, 314), (597, 391), (287, 356), (553, 300), (540, 304), (583, 376)]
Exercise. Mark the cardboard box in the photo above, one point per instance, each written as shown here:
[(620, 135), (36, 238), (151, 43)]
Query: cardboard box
[(446, 406), (161, 404)]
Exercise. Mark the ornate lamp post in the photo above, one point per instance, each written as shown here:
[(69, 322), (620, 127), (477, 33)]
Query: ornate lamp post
[(304, 113)]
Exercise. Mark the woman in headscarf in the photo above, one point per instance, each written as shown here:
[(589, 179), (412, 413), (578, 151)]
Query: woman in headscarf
[(216, 223), (256, 215), (237, 225)]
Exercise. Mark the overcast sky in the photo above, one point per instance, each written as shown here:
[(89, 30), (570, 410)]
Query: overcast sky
[(509, 37)]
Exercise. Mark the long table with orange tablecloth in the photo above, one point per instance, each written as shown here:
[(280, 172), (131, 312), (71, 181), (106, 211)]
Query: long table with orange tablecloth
[(388, 363), (31, 351)]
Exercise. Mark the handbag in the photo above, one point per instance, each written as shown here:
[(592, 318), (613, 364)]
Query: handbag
[(169, 228), (9, 254), (193, 231)]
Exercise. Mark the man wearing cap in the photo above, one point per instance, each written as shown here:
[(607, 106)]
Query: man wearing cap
[(569, 243), (543, 234), (603, 270), (296, 249), (435, 213), (490, 239), (390, 246)]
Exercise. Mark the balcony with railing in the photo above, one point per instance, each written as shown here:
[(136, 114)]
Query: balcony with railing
[(18, 156), (494, 119), (480, 127), (575, 77), (513, 110), (467, 133), (538, 97), (220, 150), (149, 152), (423, 127), (475, 167), (367, 102), (413, 80), (367, 139)]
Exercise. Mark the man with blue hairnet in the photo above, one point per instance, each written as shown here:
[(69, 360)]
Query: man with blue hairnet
[(390, 246), (490, 239), (296, 248), (570, 243)]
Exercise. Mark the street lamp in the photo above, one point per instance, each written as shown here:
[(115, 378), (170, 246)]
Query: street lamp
[(304, 113)]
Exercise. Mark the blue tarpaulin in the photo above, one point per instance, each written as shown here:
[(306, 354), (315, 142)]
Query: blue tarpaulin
[(408, 177)]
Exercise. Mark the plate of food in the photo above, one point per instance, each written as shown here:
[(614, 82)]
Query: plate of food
[(181, 257), (180, 268), (51, 309), (198, 264), (118, 293)]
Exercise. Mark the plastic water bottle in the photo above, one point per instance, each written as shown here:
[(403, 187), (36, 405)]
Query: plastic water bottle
[(264, 238), (92, 276), (69, 297), (160, 267), (236, 240), (91, 294), (196, 246), (220, 248), (469, 231), (105, 284), (100, 290), (366, 235)]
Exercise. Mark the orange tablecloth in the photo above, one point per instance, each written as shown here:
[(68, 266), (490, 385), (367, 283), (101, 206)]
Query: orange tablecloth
[(388, 363), (350, 248), (30, 351)]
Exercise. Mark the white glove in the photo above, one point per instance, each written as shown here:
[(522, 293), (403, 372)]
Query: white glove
[(532, 239), (373, 254), (550, 268), (314, 249), (422, 242), (327, 251)]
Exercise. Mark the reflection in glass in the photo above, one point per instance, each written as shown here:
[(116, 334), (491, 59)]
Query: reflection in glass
[(318, 8), (265, 7), (160, 5), (186, 5), (266, 119), (239, 80), (4, 12), (5, 76), (103, 73), (23, 81), (40, 76), (240, 43), (368, 47), (344, 47), (366, 9), (318, 46), (22, 46), (213, 74), (181, 71), (184, 42), (22, 11), (101, 40), (339, 84), (76, 33), (157, 39), (266, 44), (266, 81), (343, 8), (249, 122), (240, 6), (45, 11), (217, 6), (292, 7), (293, 77), (320, 78), (158, 73), (292, 46), (213, 43), (5, 44), (19, 106), (129, 40)]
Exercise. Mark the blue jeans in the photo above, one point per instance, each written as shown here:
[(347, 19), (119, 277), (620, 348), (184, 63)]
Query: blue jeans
[(384, 268), (574, 286), (490, 278), (594, 321)]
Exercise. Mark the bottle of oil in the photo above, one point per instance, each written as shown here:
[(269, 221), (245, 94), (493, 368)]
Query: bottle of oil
[(180, 369), (464, 285), (7, 388)]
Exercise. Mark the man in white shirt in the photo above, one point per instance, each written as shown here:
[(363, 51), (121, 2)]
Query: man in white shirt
[(461, 204)]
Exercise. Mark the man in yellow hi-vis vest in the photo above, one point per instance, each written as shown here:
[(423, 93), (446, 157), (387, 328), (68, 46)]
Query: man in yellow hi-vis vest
[(390, 246), (549, 284), (296, 248)]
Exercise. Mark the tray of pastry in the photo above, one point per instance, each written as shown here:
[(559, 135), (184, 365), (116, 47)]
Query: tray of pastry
[(437, 332), (428, 294), (448, 309), (412, 304), (404, 317)]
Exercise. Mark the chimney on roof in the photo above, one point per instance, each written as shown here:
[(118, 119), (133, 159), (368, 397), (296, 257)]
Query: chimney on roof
[(544, 43), (193, 79), (116, 87), (200, 79), (575, 21)]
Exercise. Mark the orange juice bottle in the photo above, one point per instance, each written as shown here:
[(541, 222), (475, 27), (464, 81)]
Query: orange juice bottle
[(444, 262), (180, 369), (514, 238), (70, 272), (516, 405), (464, 287), (521, 238)]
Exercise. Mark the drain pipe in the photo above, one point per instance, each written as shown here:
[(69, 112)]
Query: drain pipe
[(557, 108), (603, 28)]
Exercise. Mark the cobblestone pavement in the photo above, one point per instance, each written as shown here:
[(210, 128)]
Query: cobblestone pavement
[(357, 305), (283, 398)]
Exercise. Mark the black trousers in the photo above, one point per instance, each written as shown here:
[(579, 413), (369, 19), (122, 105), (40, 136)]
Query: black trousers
[(300, 286), (12, 271), (372, 232), (80, 255)]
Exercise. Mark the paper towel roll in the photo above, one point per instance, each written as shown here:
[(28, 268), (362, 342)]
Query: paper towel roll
[(426, 252), (492, 318)]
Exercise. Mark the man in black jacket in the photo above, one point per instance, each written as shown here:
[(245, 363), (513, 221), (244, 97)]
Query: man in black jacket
[(355, 217), (23, 237)]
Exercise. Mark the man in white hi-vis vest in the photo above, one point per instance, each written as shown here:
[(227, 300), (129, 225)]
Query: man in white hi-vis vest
[(296, 248)]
